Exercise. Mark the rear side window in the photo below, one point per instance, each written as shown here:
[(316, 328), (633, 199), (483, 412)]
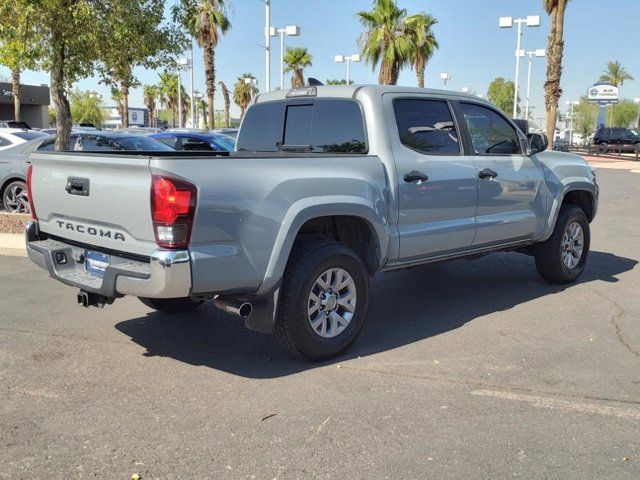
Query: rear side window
[(490, 133), (169, 141), (426, 126), (322, 126), (30, 134), (195, 144), (4, 142)]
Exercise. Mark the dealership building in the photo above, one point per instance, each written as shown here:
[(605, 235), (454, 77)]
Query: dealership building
[(34, 104)]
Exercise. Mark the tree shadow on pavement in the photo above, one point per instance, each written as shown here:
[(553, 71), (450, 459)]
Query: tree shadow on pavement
[(406, 306)]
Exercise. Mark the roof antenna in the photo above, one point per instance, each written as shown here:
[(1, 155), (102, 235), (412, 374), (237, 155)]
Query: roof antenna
[(314, 82)]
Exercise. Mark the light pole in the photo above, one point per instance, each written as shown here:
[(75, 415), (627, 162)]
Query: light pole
[(254, 85), (571, 105), (193, 112), (347, 59), (267, 55), (507, 22), (637, 100), (182, 63), (445, 78), (291, 31), (540, 52)]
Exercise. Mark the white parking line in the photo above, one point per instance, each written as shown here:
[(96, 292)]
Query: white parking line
[(564, 405)]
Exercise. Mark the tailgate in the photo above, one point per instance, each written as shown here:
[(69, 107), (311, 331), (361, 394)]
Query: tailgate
[(101, 200)]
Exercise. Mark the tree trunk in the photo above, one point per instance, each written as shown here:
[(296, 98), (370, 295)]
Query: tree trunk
[(125, 105), (242, 110), (555, 48), (205, 120), (395, 73), (15, 88), (227, 104), (612, 117), (210, 75), (58, 94), (420, 68)]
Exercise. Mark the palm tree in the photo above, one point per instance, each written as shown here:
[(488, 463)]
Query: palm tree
[(227, 104), (423, 42), (185, 101), (116, 96), (615, 74), (201, 106), (555, 49), (168, 93), (385, 41), (150, 94), (207, 20), (243, 92), (296, 60)]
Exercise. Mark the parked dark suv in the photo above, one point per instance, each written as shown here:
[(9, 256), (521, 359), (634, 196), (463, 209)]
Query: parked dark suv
[(614, 139)]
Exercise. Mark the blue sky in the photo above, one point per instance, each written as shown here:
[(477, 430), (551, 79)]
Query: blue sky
[(472, 47)]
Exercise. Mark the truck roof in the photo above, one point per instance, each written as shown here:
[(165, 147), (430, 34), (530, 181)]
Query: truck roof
[(350, 91)]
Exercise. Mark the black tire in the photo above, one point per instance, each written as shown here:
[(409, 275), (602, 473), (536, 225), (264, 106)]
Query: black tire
[(308, 260), (603, 148), (14, 197), (171, 305), (548, 254)]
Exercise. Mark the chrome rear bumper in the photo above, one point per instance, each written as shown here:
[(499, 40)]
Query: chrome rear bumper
[(166, 275)]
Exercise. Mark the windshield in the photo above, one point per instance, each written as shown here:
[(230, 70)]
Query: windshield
[(30, 135), (143, 143)]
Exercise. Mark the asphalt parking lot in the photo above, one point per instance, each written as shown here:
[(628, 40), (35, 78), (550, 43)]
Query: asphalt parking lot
[(468, 369)]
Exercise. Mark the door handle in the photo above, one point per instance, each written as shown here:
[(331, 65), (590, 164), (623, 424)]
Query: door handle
[(415, 176), (487, 173)]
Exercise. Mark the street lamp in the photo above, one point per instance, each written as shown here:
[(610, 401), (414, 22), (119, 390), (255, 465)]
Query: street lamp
[(507, 22), (254, 85), (193, 112), (540, 52), (465, 90), (347, 59), (571, 104), (267, 34), (182, 63), (291, 31), (445, 78)]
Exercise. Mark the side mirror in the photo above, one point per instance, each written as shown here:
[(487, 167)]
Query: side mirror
[(537, 142)]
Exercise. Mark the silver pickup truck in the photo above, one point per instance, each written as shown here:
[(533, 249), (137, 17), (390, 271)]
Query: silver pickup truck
[(328, 186)]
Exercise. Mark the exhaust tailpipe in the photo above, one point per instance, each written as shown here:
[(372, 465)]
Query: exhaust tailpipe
[(233, 306)]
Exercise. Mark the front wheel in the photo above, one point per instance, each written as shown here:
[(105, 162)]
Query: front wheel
[(171, 305), (323, 300), (563, 257)]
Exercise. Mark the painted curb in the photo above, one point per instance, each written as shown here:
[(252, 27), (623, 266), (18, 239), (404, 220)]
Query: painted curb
[(12, 244)]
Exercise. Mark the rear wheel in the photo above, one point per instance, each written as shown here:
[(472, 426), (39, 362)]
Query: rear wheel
[(603, 147), (14, 197), (323, 301), (563, 257), (171, 305)]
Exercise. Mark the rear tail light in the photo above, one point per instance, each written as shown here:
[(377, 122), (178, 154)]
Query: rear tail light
[(30, 194), (173, 206)]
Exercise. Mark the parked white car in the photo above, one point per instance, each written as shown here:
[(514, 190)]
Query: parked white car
[(10, 137)]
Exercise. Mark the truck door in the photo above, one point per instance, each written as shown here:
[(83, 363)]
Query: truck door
[(436, 181), (510, 198)]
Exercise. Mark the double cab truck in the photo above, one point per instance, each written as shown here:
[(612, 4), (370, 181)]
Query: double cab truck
[(327, 187)]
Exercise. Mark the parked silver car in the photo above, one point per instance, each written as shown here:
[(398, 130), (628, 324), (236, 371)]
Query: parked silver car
[(14, 161)]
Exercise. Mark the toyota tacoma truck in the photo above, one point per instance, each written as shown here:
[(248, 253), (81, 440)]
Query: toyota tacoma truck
[(327, 187)]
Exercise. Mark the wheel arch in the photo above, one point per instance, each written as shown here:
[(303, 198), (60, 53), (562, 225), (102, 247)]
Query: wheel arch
[(355, 223)]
